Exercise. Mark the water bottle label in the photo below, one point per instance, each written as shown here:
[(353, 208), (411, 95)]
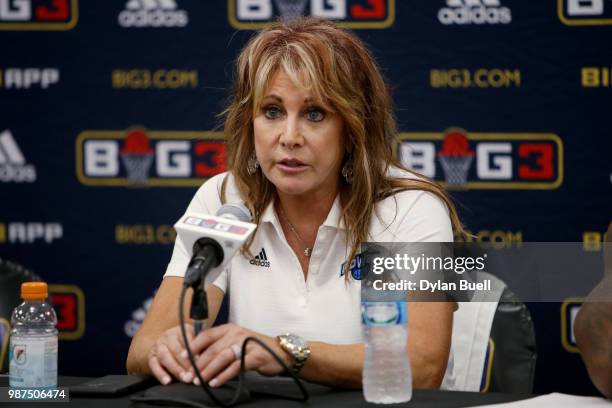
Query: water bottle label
[(383, 313), (33, 362)]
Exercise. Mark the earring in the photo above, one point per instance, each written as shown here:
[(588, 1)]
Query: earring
[(252, 164), (347, 171)]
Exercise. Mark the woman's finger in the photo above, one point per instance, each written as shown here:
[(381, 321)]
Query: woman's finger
[(176, 347), (158, 371), (230, 372), (210, 336), (252, 361), (219, 363), (215, 349), (256, 358), (167, 360)]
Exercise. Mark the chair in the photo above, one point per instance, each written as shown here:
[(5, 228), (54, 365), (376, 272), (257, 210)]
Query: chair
[(493, 342), (512, 348), (12, 276)]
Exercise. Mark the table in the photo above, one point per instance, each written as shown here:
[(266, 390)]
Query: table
[(320, 396)]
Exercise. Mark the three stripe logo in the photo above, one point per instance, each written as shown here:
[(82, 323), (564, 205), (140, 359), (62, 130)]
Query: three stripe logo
[(261, 259), (13, 166), (151, 4), (9, 151)]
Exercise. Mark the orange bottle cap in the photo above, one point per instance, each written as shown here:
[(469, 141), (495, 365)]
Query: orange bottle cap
[(34, 291)]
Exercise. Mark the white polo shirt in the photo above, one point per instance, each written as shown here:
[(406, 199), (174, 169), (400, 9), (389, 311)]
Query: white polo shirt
[(269, 295)]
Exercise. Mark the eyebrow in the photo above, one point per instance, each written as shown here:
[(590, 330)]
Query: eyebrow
[(279, 99)]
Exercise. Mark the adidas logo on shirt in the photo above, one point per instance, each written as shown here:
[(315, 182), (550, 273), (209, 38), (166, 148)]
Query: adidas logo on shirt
[(152, 13), (474, 12), (261, 259), (13, 166)]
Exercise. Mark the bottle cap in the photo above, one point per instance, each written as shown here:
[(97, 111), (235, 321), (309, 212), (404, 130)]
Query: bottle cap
[(34, 291)]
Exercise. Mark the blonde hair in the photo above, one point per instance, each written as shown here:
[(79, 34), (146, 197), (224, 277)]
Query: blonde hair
[(335, 65)]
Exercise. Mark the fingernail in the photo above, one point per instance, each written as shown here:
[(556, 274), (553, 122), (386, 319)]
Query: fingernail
[(184, 354), (186, 377), (196, 381), (214, 382), (166, 380)]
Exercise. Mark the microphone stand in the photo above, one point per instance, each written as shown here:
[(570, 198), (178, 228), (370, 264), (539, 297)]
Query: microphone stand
[(207, 254), (199, 307)]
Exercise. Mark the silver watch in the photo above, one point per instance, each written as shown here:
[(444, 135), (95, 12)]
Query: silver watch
[(297, 348)]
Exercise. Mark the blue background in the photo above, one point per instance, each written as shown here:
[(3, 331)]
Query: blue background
[(117, 278)]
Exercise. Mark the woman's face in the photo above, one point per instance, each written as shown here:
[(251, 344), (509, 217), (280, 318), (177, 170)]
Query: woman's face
[(298, 144)]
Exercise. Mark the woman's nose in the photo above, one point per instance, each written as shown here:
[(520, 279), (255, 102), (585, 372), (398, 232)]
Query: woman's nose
[(291, 136)]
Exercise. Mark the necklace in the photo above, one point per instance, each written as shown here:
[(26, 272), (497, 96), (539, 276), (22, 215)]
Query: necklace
[(307, 250)]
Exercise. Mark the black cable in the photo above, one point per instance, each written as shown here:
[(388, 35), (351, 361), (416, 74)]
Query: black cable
[(295, 378), (241, 380)]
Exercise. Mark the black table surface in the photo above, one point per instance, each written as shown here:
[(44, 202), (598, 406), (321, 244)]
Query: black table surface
[(319, 396)]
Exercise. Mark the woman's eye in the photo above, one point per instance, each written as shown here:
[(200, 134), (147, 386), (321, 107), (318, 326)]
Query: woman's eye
[(315, 115), (272, 112)]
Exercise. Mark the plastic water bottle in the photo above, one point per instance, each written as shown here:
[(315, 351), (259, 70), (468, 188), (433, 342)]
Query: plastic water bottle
[(387, 378), (33, 348)]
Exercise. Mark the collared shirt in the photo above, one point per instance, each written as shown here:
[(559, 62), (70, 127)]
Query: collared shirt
[(268, 292)]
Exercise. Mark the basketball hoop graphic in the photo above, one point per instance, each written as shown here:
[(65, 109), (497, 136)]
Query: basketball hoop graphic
[(456, 157), (291, 9), (137, 156)]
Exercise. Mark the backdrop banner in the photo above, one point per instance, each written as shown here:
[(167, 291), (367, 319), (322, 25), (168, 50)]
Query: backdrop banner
[(109, 123)]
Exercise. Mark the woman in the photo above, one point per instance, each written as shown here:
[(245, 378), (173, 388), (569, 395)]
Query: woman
[(310, 136)]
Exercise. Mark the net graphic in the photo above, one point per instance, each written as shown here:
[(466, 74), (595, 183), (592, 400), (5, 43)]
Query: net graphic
[(255, 14)]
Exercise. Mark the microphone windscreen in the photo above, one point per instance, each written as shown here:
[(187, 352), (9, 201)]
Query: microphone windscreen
[(235, 211)]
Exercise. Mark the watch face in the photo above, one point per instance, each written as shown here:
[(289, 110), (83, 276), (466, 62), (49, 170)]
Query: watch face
[(297, 341)]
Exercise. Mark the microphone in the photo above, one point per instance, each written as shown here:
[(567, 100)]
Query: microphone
[(212, 241)]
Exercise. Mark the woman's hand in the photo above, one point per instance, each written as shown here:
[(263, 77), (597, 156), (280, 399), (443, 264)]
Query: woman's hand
[(168, 357), (218, 363)]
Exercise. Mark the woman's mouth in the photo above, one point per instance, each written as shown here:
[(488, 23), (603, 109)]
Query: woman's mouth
[(291, 165)]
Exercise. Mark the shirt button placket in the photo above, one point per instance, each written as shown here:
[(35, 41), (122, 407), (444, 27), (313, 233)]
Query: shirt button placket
[(321, 242)]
